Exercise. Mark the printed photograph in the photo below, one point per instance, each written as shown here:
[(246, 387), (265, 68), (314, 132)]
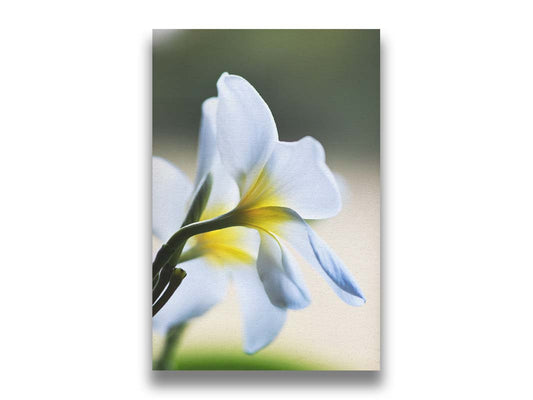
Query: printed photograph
[(266, 200)]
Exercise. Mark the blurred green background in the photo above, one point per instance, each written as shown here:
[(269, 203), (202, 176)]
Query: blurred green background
[(323, 83)]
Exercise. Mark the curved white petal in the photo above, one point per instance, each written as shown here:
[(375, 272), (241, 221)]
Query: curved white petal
[(249, 240), (288, 225), (280, 275), (296, 176), (246, 131), (224, 192), (171, 190), (335, 272), (202, 288), (207, 146), (262, 321)]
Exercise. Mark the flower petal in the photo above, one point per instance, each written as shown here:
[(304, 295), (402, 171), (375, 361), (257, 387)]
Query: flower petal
[(202, 288), (246, 131), (288, 225), (280, 275), (296, 176), (171, 190), (335, 272), (224, 192), (236, 245), (207, 146), (262, 320)]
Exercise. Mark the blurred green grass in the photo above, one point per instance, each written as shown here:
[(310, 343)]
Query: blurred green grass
[(229, 359)]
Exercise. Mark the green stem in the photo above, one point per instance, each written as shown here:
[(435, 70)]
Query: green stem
[(168, 256), (194, 214), (172, 339), (165, 274), (191, 254), (176, 277)]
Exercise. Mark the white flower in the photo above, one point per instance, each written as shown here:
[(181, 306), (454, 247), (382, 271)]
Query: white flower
[(265, 189)]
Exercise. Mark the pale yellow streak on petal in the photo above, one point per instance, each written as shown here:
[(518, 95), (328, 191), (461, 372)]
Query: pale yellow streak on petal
[(267, 219), (262, 193), (223, 246)]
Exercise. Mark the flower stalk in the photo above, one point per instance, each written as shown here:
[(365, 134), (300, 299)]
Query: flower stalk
[(176, 277), (169, 254)]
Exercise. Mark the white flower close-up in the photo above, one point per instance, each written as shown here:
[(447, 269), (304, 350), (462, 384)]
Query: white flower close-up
[(266, 191)]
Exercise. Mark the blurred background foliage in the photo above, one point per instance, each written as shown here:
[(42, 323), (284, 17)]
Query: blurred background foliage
[(323, 83), (216, 358)]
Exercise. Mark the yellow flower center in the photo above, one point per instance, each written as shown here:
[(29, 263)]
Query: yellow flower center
[(231, 246), (223, 246)]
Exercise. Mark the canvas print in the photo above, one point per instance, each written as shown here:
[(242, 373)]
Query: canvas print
[(266, 200)]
